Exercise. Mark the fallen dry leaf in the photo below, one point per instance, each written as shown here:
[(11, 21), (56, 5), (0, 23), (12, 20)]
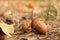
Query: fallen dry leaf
[(7, 29)]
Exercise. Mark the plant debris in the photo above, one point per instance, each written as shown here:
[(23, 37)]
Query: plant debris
[(7, 29)]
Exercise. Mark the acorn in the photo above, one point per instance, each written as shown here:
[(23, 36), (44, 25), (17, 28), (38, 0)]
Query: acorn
[(26, 26), (40, 26), (30, 4)]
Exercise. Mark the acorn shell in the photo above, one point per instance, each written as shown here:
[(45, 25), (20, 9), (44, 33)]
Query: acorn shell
[(26, 26), (40, 26)]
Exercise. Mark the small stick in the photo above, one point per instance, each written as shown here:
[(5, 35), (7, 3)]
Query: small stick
[(32, 17), (32, 14)]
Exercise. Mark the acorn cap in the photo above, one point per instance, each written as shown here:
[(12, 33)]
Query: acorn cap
[(26, 26)]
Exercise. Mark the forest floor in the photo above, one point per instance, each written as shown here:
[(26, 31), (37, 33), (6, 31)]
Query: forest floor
[(15, 10)]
